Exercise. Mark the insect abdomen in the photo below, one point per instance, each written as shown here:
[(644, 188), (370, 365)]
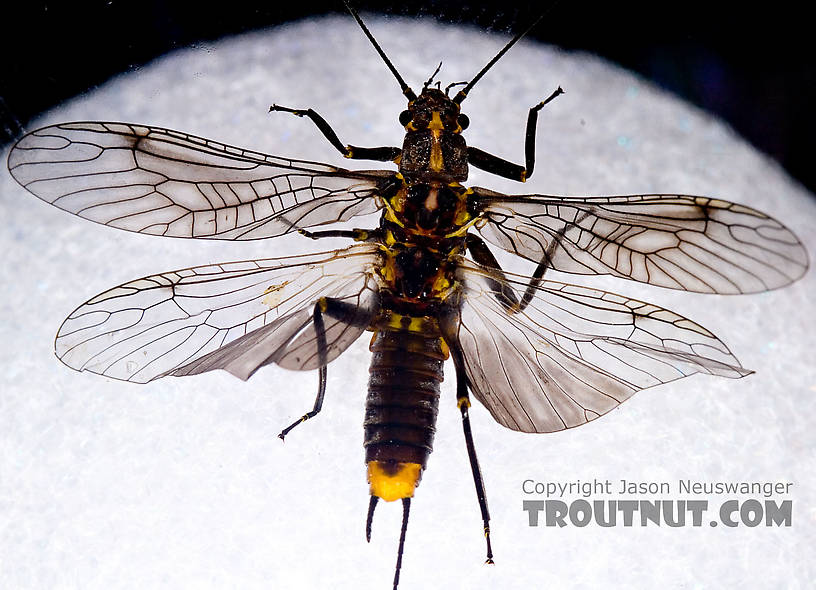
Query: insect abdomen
[(401, 408)]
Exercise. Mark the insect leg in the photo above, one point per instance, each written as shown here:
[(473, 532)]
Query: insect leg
[(463, 401), (482, 254), (332, 308), (358, 235), (502, 291), (320, 330), (379, 154), (501, 167)]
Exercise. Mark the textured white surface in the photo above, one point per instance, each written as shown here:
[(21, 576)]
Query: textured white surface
[(183, 483)]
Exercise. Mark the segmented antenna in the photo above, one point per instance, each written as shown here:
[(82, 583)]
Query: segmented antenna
[(462, 94), (406, 90)]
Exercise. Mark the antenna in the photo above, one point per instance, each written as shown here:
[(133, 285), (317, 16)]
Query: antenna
[(462, 94), (406, 90)]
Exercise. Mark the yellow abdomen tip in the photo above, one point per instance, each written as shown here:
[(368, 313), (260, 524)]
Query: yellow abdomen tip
[(393, 481)]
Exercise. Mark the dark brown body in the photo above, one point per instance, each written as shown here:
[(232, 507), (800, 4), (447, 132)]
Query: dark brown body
[(403, 397)]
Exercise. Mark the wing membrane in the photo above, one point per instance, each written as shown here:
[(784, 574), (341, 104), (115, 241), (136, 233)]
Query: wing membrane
[(574, 353), (677, 241), (163, 182), (236, 316)]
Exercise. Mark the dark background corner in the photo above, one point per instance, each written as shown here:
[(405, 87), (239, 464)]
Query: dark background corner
[(755, 69)]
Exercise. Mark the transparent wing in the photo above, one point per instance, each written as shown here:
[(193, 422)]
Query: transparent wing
[(236, 316), (162, 182), (677, 241), (574, 353)]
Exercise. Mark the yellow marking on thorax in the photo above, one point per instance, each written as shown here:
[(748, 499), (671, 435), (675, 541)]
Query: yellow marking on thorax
[(462, 230), (437, 162), (441, 285), (393, 207), (462, 219), (436, 123), (387, 270), (398, 201)]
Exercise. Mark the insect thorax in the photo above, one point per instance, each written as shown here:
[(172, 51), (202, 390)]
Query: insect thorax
[(433, 146)]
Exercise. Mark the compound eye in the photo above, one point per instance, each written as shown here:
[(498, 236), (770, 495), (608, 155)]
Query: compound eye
[(405, 118), (463, 121)]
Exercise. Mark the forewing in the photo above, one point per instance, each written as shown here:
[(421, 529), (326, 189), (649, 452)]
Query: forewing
[(163, 182), (677, 241), (236, 316), (574, 353)]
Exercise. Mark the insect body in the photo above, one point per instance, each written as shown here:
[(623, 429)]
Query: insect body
[(541, 356)]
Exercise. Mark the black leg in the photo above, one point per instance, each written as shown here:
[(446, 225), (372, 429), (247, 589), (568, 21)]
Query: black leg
[(348, 313), (372, 504), (530, 134), (379, 154), (358, 235), (501, 289), (322, 353), (501, 167), (463, 401), (482, 254)]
